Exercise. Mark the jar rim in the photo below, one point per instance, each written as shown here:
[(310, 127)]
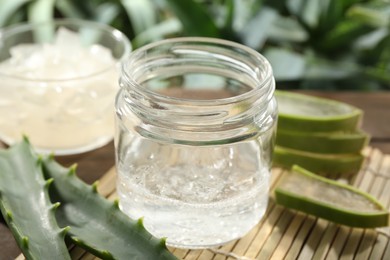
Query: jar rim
[(259, 90)]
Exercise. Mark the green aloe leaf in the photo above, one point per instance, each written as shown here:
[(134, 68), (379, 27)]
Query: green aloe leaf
[(322, 68), (343, 35), (331, 164), (243, 13), (161, 30), (290, 65), (256, 32), (97, 224), (307, 192), (332, 13), (371, 40), (8, 9), (41, 11), (86, 9), (229, 16), (286, 64), (71, 10), (285, 29), (307, 11), (107, 12), (87, 218), (304, 113), (318, 142), (375, 13), (195, 18), (141, 14), (26, 206)]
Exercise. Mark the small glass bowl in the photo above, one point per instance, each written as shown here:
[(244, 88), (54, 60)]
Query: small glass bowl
[(58, 84)]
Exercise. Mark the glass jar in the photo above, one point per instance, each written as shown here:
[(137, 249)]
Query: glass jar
[(58, 84), (195, 128)]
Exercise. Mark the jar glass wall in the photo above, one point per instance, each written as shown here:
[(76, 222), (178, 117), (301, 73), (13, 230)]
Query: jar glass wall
[(195, 125)]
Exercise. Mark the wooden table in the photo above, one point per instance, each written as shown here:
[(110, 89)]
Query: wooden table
[(93, 165)]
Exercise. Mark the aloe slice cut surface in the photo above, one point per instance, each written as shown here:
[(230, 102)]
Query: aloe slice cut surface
[(305, 191), (299, 112)]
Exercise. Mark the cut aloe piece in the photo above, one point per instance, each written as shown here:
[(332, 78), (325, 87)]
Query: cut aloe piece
[(340, 203), (334, 142), (320, 163), (299, 112)]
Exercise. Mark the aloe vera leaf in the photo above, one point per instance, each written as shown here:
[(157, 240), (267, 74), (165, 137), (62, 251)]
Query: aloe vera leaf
[(26, 206), (97, 224), (300, 112), (307, 192), (320, 163), (326, 143)]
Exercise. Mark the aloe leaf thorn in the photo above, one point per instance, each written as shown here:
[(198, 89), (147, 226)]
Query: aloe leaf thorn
[(8, 216), (48, 182), (94, 187), (25, 242), (65, 231), (116, 204), (55, 206), (72, 170)]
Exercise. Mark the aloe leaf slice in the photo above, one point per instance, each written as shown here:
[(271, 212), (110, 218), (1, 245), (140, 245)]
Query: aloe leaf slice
[(305, 191), (319, 163), (97, 224), (320, 142), (26, 206), (299, 112)]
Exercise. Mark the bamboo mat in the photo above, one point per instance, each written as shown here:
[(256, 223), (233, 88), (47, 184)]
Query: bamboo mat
[(288, 234)]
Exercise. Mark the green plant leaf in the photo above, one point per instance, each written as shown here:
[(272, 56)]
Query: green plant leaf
[(286, 64), (26, 206), (141, 14), (255, 33), (322, 197), (243, 12), (8, 9), (41, 11), (287, 29), (70, 10), (320, 68), (85, 7), (290, 65), (95, 223), (332, 13), (161, 30), (107, 12), (230, 7), (307, 11), (371, 39), (195, 18), (343, 35), (375, 13)]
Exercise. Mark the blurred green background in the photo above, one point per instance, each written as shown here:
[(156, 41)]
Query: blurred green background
[(311, 44)]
